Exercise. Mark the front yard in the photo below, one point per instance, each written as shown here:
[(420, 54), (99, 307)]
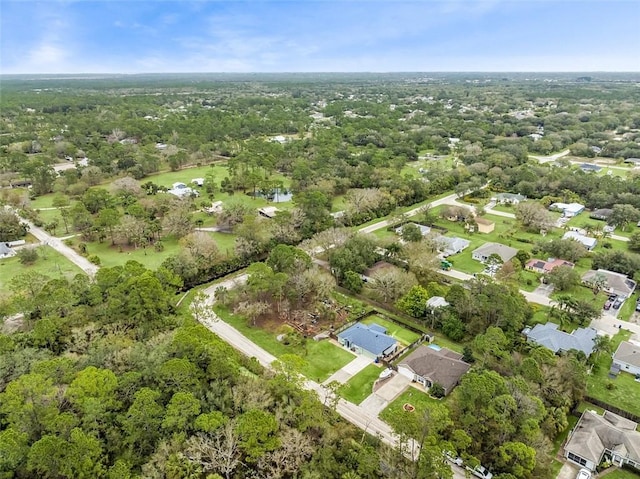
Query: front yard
[(393, 414), (360, 386)]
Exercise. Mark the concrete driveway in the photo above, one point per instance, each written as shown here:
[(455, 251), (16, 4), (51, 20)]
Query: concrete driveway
[(391, 389), (544, 290), (568, 471), (349, 370)]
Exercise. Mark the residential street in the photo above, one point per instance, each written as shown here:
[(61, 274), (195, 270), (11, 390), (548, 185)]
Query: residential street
[(83, 263)]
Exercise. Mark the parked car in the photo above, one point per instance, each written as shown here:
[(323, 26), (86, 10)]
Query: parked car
[(638, 305), (584, 474), (607, 305), (617, 303), (613, 297), (452, 458), (481, 472)]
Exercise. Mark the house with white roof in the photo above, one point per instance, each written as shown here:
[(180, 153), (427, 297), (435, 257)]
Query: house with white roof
[(586, 241), (568, 210)]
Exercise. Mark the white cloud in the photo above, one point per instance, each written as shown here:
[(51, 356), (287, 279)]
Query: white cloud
[(47, 54)]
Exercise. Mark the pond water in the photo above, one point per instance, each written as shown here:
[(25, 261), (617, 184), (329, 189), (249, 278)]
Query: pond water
[(275, 195)]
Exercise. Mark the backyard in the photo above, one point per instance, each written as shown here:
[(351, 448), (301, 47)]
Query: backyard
[(403, 335), (623, 391)]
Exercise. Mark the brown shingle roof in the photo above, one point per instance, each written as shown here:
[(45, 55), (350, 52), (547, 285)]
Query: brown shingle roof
[(444, 367)]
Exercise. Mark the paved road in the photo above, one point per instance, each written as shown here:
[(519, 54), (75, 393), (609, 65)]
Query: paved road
[(352, 413), (447, 200), (547, 159), (83, 263)]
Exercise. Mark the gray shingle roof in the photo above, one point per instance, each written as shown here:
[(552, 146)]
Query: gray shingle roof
[(505, 252), (368, 338), (594, 433), (547, 335), (443, 367), (629, 353)]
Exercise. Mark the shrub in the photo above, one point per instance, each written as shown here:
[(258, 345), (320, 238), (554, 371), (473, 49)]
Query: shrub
[(610, 386), (436, 390), (158, 247), (95, 259), (27, 255)]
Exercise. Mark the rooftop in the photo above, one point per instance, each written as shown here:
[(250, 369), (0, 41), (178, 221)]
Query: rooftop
[(550, 337), (629, 353), (594, 434), (443, 366), (505, 252), (372, 338)]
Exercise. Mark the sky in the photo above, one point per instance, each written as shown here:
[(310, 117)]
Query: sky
[(136, 36)]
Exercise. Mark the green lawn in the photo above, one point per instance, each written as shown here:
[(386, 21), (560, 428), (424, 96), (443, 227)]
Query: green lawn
[(50, 263), (394, 330), (418, 399), (582, 292), (625, 392), (622, 474), (628, 308), (360, 386), (322, 358), (113, 256)]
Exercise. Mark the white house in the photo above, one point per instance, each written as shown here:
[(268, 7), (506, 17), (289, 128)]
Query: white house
[(182, 191), (568, 209), (5, 251), (627, 357), (586, 241), (509, 198)]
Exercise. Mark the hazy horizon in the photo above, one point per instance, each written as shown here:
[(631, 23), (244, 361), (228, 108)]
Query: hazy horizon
[(331, 36)]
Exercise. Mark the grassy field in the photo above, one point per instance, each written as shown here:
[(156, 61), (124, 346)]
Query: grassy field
[(50, 263), (360, 386), (394, 330), (624, 392), (418, 399), (322, 358)]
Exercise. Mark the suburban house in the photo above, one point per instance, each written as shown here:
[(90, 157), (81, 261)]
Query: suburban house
[(633, 161), (182, 191), (586, 241), (508, 198), (627, 357), (368, 340), (451, 245), (590, 168), (424, 230), (198, 181), (615, 283), (432, 364), (541, 266), (608, 437), (486, 250), (5, 251), (601, 214), (567, 209), (268, 211), (550, 337), (484, 225)]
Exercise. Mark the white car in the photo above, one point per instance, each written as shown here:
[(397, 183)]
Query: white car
[(481, 472), (453, 459), (583, 474)]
